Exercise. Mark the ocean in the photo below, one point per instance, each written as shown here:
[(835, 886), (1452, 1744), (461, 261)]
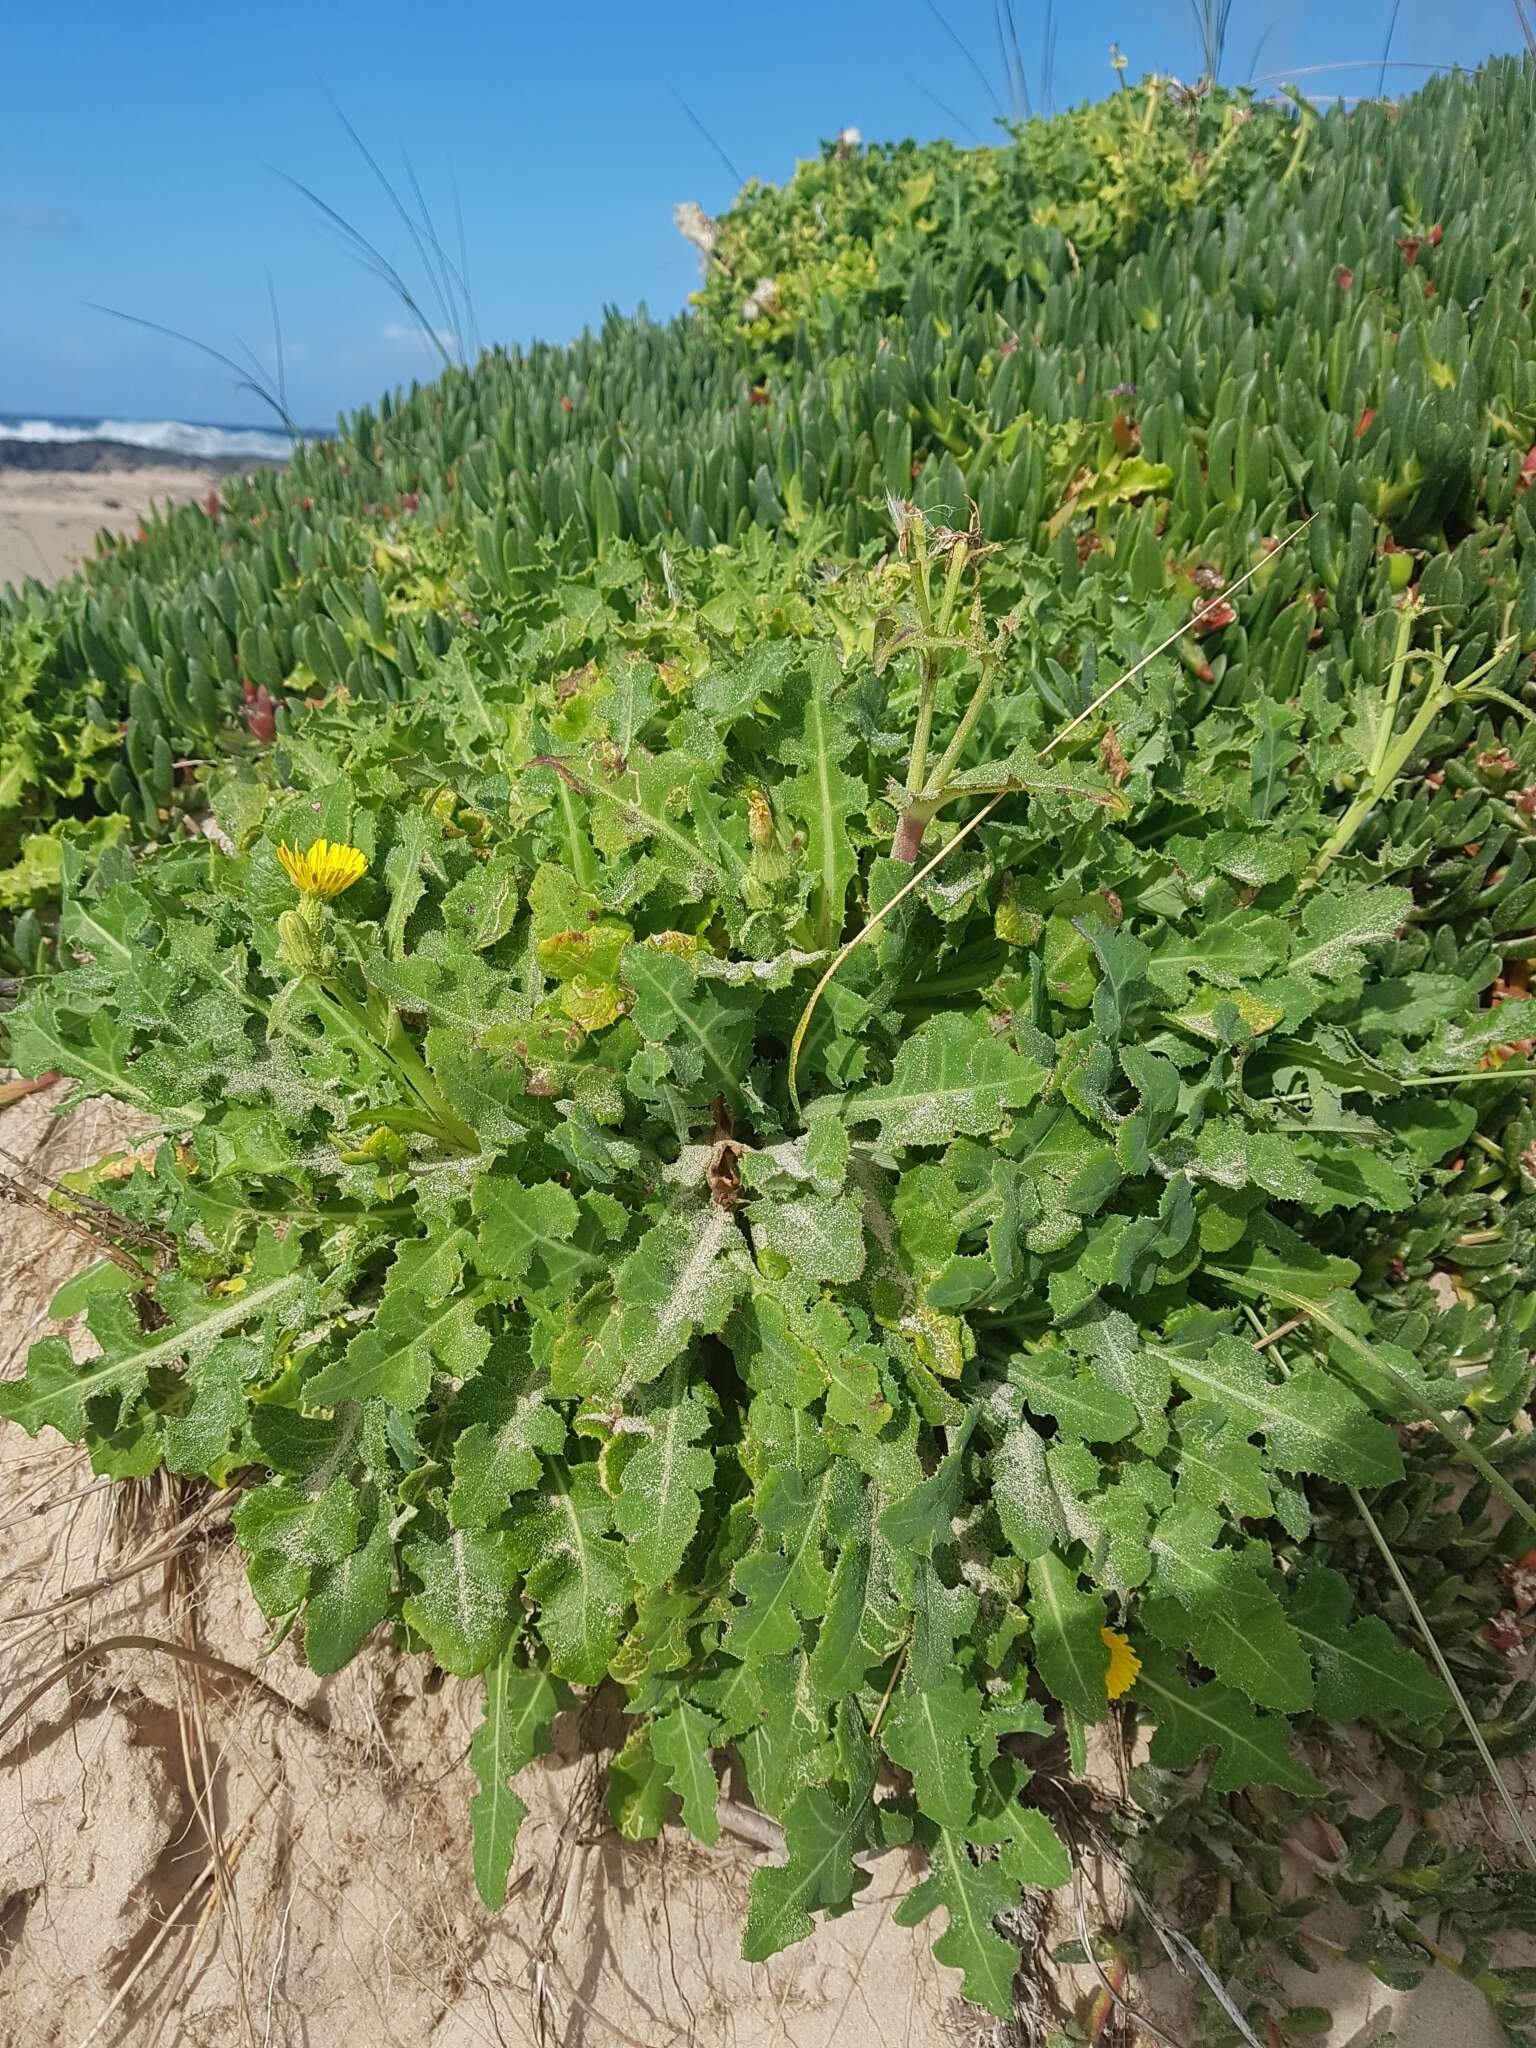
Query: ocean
[(199, 439)]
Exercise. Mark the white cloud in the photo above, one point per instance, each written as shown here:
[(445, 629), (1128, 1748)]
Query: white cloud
[(397, 332)]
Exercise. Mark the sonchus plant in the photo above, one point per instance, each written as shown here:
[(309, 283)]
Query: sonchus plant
[(880, 1424)]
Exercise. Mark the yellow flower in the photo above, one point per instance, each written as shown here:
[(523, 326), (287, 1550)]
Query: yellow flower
[(325, 870), (1124, 1664)]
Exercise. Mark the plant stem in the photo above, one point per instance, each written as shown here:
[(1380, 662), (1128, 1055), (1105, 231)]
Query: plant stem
[(1449, 1679), (917, 767), (909, 832), (1385, 760), (1456, 1080), (398, 1054), (1389, 758), (1315, 1312), (967, 725), (348, 1022), (896, 1670), (424, 1084), (908, 842), (1388, 717)]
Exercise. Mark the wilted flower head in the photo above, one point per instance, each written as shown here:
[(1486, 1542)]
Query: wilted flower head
[(772, 869), (695, 225), (902, 513), (326, 869), (763, 301), (760, 828)]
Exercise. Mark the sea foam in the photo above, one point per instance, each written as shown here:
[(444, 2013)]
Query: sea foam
[(172, 437)]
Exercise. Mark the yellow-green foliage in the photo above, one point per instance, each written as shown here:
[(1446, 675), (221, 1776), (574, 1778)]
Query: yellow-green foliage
[(852, 224)]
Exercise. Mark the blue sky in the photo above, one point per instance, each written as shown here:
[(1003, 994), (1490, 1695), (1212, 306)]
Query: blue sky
[(140, 149)]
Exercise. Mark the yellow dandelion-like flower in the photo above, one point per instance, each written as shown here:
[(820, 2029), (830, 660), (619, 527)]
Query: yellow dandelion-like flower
[(325, 870), (1124, 1664)]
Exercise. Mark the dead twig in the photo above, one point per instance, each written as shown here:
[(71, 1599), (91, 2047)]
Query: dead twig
[(183, 1652)]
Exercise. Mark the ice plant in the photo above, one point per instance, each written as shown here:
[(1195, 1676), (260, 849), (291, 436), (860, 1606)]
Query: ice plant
[(326, 869)]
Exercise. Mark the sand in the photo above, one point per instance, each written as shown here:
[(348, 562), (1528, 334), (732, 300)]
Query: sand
[(190, 1859), (49, 518)]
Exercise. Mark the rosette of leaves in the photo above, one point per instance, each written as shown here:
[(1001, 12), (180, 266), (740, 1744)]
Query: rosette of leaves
[(535, 1325)]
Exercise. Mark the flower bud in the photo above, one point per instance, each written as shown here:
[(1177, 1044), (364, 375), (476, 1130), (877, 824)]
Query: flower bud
[(303, 945)]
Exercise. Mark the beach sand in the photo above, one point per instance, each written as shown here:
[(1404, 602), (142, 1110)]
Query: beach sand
[(49, 518)]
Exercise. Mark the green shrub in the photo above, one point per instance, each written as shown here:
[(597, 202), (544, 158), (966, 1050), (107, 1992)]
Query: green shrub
[(539, 1325), (851, 227), (1096, 1246)]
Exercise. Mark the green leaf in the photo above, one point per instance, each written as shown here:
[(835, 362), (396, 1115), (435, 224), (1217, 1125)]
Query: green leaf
[(1225, 1613), (508, 1423), (1076, 1399), (658, 1507), (1067, 1624), (1030, 1850), (1233, 1156), (426, 1321), (639, 1792), (822, 793), (413, 855), (1122, 975), (1191, 1719), (1309, 1421), (1339, 922), (915, 1525), (463, 1609), (1218, 1466), (804, 1348), (1241, 947), (930, 1731), (951, 1076), (576, 1573), (710, 1035), (821, 1836), (1363, 1671), (348, 1600), (972, 1894), (54, 1390), (630, 703), (859, 1628), (521, 1702), (525, 1232), (306, 1525), (682, 1739), (821, 1236), (784, 1580), (682, 1280), (941, 1616), (94, 1053), (1273, 1260)]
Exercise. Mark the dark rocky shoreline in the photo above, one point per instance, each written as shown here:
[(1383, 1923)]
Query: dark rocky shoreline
[(82, 458)]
